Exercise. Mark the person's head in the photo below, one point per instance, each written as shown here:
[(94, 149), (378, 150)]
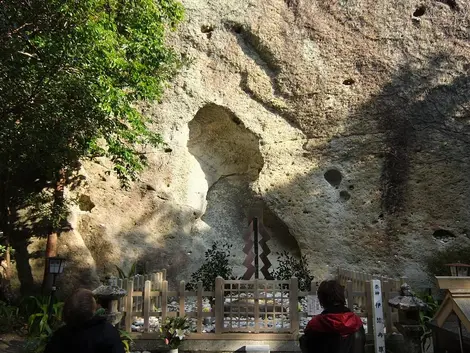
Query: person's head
[(79, 307), (331, 293)]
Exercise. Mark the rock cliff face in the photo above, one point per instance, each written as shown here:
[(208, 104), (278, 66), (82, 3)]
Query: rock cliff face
[(348, 119)]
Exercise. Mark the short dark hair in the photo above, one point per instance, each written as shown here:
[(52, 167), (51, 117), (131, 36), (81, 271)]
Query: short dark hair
[(79, 307), (331, 293)]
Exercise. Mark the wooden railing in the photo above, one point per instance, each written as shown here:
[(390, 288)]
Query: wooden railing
[(269, 308), (358, 292), (257, 306)]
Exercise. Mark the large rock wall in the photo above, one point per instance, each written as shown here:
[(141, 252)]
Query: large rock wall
[(347, 118)]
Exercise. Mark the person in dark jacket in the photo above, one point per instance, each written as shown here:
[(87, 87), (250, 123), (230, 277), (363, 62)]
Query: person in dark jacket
[(84, 332), (336, 329)]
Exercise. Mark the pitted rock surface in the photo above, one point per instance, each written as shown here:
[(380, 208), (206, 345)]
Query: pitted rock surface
[(278, 95)]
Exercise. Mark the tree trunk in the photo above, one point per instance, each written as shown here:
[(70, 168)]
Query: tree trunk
[(51, 246), (5, 224)]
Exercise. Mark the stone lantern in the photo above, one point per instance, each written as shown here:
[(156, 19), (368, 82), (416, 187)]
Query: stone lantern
[(408, 305), (408, 324), (107, 296)]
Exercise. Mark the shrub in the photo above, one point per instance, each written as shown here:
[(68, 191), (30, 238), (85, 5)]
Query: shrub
[(455, 254), (290, 266), (426, 316), (40, 328), (10, 318), (126, 340), (216, 264), (132, 271)]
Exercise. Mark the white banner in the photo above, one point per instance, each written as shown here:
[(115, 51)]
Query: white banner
[(378, 316), (313, 305)]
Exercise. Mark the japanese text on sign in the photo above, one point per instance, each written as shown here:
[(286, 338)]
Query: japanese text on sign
[(378, 316)]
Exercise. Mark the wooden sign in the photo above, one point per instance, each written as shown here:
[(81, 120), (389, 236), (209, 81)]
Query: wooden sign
[(378, 316)]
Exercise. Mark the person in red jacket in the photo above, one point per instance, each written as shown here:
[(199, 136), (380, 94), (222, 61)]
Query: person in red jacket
[(336, 329)]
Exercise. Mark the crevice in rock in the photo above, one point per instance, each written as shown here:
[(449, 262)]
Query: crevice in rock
[(228, 154), (333, 177), (344, 195), (451, 3), (253, 47), (420, 11), (207, 30), (85, 203)]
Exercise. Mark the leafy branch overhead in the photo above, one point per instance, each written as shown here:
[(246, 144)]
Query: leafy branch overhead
[(71, 74), (71, 71)]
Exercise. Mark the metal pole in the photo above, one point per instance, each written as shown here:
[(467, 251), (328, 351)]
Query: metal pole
[(255, 236), (460, 335), (51, 300)]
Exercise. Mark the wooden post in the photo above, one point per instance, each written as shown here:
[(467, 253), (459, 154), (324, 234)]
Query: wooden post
[(256, 306), (364, 286), (146, 306), (293, 305), (164, 299), (313, 288), (129, 303), (124, 299), (159, 286), (369, 307), (219, 305), (199, 307), (386, 288), (153, 300), (349, 289), (164, 274), (120, 300), (182, 299)]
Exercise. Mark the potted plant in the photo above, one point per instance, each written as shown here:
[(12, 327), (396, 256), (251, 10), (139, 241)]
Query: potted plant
[(173, 331)]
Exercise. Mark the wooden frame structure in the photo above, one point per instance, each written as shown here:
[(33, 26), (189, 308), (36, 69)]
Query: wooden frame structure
[(268, 308), (457, 300)]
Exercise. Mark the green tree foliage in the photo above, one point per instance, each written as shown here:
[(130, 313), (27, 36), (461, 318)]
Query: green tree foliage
[(216, 264), (456, 253), (70, 73), (290, 266)]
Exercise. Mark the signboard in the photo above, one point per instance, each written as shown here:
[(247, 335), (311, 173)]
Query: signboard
[(313, 305), (378, 316)]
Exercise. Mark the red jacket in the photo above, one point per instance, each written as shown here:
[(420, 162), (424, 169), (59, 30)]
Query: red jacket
[(342, 323), (336, 330)]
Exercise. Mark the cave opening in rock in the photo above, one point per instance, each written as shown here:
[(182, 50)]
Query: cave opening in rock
[(443, 235), (229, 156)]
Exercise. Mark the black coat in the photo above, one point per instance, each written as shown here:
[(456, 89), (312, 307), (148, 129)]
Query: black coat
[(336, 330), (94, 336)]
